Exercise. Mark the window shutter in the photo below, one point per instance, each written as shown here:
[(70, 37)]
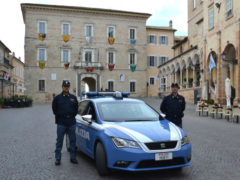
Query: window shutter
[(160, 60), (148, 39), (154, 39), (160, 39), (155, 61), (166, 40), (148, 61)]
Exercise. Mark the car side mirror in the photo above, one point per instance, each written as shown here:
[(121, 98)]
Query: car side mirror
[(87, 118), (162, 116)]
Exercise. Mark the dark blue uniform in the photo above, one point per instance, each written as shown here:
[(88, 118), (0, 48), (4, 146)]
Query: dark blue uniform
[(173, 107), (65, 108)]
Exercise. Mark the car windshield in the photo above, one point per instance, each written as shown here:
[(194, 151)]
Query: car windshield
[(126, 111)]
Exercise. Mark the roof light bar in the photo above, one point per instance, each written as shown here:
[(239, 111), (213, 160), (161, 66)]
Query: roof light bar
[(116, 94)]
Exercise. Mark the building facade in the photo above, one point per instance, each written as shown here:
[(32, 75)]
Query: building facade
[(159, 50), (105, 49), (213, 38), (221, 21), (6, 86), (17, 75)]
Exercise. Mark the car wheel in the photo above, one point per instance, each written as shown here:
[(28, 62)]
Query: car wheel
[(101, 160), (67, 143)]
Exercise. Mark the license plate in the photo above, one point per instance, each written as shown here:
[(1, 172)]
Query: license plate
[(163, 156)]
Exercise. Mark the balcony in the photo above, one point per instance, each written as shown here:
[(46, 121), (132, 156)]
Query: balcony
[(6, 61), (83, 64)]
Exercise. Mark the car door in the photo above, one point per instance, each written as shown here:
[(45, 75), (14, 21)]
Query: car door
[(81, 126), (92, 128)]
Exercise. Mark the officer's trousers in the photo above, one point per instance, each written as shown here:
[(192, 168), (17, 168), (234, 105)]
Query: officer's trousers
[(61, 131)]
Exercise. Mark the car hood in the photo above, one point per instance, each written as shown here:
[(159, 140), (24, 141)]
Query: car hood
[(145, 131)]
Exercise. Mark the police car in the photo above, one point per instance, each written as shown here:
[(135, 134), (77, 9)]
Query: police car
[(127, 134)]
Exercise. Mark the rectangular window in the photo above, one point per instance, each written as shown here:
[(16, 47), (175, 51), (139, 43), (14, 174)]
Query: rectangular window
[(132, 59), (110, 86), (41, 85), (132, 86), (132, 34), (163, 40), (152, 81), (65, 55), (111, 32), (41, 54), (66, 29), (151, 39), (194, 4), (89, 29), (42, 27), (163, 85), (88, 56), (152, 61), (110, 58), (229, 8), (210, 18), (163, 59)]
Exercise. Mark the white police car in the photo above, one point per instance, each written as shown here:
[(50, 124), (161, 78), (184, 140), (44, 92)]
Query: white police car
[(127, 134)]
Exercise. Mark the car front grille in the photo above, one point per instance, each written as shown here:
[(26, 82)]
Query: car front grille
[(164, 163), (161, 145)]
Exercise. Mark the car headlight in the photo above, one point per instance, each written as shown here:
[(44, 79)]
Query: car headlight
[(185, 140), (123, 143)]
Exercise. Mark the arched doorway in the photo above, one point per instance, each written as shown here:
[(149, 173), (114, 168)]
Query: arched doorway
[(196, 72), (230, 67), (91, 80), (91, 83)]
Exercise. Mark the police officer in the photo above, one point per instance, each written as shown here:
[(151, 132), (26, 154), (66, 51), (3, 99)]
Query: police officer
[(65, 108), (173, 106)]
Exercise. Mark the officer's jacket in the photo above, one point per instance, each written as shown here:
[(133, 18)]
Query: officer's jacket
[(65, 108), (173, 107)]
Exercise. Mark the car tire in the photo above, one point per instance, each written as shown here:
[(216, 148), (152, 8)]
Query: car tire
[(67, 143), (101, 160)]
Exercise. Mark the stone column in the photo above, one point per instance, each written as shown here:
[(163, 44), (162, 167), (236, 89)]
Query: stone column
[(194, 77), (187, 83), (181, 73), (175, 78)]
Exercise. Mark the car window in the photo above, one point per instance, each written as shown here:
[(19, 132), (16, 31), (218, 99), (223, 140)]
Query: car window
[(82, 107), (126, 111), (91, 110)]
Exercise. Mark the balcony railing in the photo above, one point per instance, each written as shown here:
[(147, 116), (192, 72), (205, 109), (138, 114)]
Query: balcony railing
[(83, 64)]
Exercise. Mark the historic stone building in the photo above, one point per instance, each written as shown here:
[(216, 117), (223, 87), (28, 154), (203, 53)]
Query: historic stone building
[(6, 87), (104, 48), (213, 38), (159, 50), (221, 21), (185, 68), (17, 75)]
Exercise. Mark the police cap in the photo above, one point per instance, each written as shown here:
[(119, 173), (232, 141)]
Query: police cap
[(174, 85), (66, 83)]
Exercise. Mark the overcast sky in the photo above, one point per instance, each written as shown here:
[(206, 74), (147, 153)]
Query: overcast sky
[(12, 26)]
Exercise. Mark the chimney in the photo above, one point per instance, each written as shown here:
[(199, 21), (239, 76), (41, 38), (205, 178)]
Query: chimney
[(170, 23), (13, 54)]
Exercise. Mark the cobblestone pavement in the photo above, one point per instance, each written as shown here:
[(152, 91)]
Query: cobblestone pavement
[(27, 143)]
